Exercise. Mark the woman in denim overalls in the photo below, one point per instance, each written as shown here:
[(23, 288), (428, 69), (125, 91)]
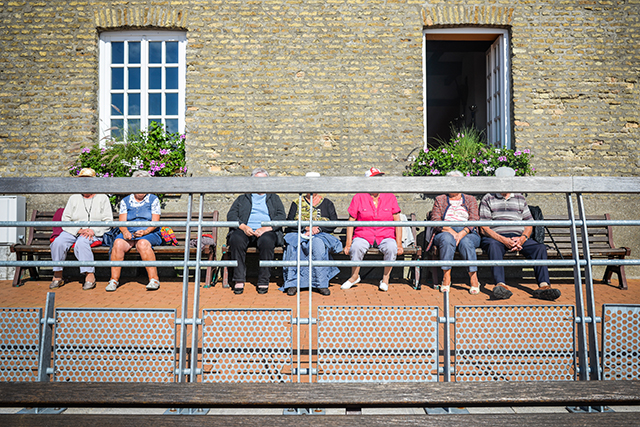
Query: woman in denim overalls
[(137, 207)]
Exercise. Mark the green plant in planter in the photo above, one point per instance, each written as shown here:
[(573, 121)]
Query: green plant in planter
[(467, 152), (152, 150)]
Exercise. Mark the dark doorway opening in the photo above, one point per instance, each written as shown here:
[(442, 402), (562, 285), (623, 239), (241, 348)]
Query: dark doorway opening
[(456, 85)]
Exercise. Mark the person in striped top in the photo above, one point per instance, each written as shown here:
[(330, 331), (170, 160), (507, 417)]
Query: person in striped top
[(497, 240)]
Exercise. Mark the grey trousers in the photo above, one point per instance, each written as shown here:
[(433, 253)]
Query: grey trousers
[(82, 250), (359, 247)]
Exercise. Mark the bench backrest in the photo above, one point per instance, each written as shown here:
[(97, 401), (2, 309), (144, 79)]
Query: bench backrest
[(39, 236), (600, 237)]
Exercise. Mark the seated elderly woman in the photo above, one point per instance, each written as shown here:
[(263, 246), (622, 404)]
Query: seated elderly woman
[(137, 207), (323, 245), (81, 207), (456, 207), (373, 207), (250, 210)]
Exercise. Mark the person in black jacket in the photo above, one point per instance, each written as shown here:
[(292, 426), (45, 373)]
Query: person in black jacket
[(250, 210)]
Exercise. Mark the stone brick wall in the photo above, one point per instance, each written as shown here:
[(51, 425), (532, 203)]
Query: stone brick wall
[(333, 86)]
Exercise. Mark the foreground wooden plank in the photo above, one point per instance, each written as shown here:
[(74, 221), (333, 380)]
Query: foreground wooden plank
[(478, 394), (489, 420)]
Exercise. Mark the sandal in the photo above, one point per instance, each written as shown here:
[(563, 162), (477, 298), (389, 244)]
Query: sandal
[(153, 285), (112, 285), (445, 288), (237, 289), (475, 290), (56, 283)]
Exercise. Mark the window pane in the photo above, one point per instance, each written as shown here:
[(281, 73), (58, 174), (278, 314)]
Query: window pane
[(117, 78), (134, 126), (134, 52), (172, 125), (134, 78), (116, 128), (157, 121), (172, 52), (117, 104), (155, 104), (117, 52), (134, 104), (171, 108), (171, 78), (155, 78), (155, 52)]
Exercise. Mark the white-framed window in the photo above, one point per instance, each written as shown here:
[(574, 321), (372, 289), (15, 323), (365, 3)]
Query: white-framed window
[(142, 80), (467, 81)]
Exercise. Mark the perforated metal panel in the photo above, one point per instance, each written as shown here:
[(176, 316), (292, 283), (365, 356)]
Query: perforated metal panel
[(621, 342), (246, 345), (19, 343), (514, 343), (377, 344), (115, 345)]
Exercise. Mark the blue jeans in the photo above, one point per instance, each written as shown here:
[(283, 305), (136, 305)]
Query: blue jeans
[(467, 247), (530, 249)]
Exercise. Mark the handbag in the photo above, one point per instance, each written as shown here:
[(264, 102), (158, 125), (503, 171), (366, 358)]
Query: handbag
[(110, 236), (168, 236)]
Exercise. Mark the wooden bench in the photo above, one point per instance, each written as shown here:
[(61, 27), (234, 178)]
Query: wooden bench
[(315, 395), (37, 244), (414, 251), (558, 242)]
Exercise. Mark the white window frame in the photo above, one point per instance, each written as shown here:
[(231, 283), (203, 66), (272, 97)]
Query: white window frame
[(504, 81), (104, 102)]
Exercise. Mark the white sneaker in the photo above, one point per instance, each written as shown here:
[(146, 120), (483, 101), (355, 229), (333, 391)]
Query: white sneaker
[(348, 284), (153, 285), (383, 286), (112, 286)]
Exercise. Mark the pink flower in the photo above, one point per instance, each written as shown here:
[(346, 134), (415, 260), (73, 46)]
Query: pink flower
[(86, 150)]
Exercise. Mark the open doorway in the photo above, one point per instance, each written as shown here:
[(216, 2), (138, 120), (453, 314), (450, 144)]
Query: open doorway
[(467, 83)]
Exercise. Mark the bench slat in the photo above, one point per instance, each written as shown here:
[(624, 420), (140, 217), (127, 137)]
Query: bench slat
[(331, 395), (493, 420)]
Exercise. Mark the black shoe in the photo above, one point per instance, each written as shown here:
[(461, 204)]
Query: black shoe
[(547, 294), (292, 291), (324, 291), (500, 292), (263, 289), (237, 290)]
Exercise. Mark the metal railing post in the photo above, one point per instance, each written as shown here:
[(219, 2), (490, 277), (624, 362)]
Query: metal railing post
[(594, 350), (196, 294), (298, 330), (583, 364), (182, 363), (309, 313), (46, 337)]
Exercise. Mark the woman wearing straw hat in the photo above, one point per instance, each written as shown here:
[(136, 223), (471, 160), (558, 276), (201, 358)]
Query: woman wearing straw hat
[(81, 207)]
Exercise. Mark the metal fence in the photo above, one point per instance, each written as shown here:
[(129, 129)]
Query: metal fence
[(389, 343)]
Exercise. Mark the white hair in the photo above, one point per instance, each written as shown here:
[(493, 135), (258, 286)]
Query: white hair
[(454, 173), (139, 174), (256, 171)]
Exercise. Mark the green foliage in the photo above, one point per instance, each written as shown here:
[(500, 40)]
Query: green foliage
[(468, 153), (152, 150)]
